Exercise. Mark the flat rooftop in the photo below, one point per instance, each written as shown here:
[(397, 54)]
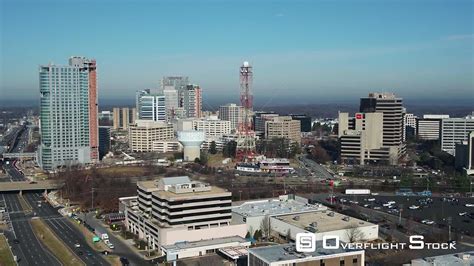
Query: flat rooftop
[(325, 222), (198, 194), (287, 252), (205, 243), (449, 259), (275, 207), (147, 184)]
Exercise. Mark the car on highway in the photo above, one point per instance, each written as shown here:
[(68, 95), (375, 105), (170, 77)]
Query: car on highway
[(16, 241), (377, 208), (371, 199), (428, 222), (124, 261), (414, 207), (462, 213), (469, 205), (77, 245)]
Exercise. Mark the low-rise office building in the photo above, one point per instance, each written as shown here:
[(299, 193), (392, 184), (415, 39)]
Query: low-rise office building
[(286, 254), (253, 213), (457, 259), (322, 223)]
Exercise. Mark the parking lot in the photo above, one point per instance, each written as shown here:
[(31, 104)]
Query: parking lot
[(436, 211)]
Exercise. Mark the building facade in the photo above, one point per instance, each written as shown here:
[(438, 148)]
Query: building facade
[(144, 133), (286, 255), (361, 139), (174, 210), (409, 125), (212, 127), (68, 114), (260, 118), (283, 127), (104, 141), (453, 131), (171, 103), (305, 121), (391, 107), (123, 117), (233, 113), (429, 127), (191, 101), (151, 107)]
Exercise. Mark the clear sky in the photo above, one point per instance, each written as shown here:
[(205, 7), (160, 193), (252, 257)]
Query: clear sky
[(302, 51)]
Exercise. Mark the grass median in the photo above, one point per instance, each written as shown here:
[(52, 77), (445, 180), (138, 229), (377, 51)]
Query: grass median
[(24, 204), (6, 256), (54, 244)]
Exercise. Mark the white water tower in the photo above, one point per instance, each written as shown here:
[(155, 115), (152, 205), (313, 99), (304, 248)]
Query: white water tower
[(191, 141)]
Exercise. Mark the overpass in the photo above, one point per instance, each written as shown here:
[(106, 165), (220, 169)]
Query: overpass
[(29, 186), (19, 155)]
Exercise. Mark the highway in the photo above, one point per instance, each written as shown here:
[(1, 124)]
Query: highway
[(121, 249), (318, 170), (14, 174), (64, 229), (29, 250)]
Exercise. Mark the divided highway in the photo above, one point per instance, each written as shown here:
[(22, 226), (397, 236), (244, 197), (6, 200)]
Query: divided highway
[(63, 228), (23, 241)]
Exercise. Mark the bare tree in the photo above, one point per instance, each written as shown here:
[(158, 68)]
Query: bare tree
[(354, 234), (265, 227)]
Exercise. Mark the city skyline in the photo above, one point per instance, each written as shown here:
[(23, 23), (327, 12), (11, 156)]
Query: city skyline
[(321, 51)]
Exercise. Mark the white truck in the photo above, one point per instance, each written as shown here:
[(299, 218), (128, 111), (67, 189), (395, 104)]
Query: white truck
[(102, 233), (357, 191)]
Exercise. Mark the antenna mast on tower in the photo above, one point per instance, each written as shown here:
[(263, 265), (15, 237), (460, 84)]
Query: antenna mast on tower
[(246, 135)]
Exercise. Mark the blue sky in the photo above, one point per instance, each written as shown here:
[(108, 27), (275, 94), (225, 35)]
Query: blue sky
[(302, 51)]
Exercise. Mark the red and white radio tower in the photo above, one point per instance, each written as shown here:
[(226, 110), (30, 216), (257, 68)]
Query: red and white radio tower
[(246, 138)]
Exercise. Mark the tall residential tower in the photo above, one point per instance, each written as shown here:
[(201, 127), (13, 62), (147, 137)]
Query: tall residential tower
[(68, 113)]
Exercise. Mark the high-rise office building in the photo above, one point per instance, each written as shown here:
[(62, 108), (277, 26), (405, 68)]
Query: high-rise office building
[(283, 127), (392, 109), (178, 82), (68, 113), (233, 113), (150, 106), (260, 118), (361, 139), (104, 141), (455, 130), (123, 117), (212, 127), (429, 127), (464, 155), (305, 122), (409, 124), (171, 102), (191, 101), (144, 133)]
